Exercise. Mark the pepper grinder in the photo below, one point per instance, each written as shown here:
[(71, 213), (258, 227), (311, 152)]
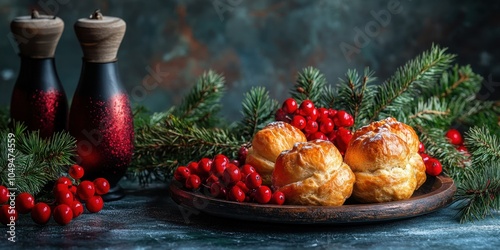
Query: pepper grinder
[(100, 116), (38, 99)]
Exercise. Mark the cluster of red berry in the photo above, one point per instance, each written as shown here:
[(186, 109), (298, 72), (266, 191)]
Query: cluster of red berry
[(225, 179), (318, 123), (67, 204), (432, 165)]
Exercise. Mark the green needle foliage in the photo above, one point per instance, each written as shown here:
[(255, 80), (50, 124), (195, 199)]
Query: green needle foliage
[(310, 85), (406, 83), (203, 102), (37, 161), (258, 110), (356, 95)]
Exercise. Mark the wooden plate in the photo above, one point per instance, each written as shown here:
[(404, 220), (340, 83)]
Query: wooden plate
[(437, 192)]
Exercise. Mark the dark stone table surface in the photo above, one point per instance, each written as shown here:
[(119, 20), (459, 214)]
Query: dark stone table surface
[(147, 218)]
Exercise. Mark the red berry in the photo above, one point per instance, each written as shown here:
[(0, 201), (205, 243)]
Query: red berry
[(332, 113), (219, 164), (311, 127), (212, 179), (342, 139), (73, 190), (433, 167), (64, 197), (231, 175), (235, 162), (64, 180), (331, 136), (40, 213), (455, 137), (323, 113), (317, 136), (193, 182), (313, 115), (85, 190), (236, 194), (247, 169), (94, 204), (24, 203), (278, 198), (326, 125), (263, 194), (299, 122), (101, 186), (343, 119), (63, 214), (425, 157), (194, 168), (8, 214), (181, 173), (60, 188), (462, 149), (76, 172), (242, 154), (204, 166), (76, 208), (253, 180), (289, 106), (4, 194), (282, 116), (243, 186), (306, 107), (217, 190), (421, 147)]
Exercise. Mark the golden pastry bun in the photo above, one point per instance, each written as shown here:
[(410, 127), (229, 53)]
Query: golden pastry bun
[(313, 173), (384, 157), (267, 145)]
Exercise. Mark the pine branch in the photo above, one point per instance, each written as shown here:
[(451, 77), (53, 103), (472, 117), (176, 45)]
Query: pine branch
[(400, 89), (438, 146), (258, 110), (355, 95), (480, 194), (328, 98), (179, 142), (203, 101), (483, 145), (37, 161), (459, 81), (429, 113), (309, 85)]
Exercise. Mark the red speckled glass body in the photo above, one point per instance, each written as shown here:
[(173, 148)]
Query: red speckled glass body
[(38, 99), (101, 121)]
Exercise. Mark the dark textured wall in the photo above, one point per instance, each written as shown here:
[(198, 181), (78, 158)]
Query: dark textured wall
[(168, 44)]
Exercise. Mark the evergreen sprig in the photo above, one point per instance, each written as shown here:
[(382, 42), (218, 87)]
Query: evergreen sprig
[(37, 161), (356, 95), (310, 85), (258, 110), (408, 80), (484, 145), (200, 105), (479, 195), (175, 142)]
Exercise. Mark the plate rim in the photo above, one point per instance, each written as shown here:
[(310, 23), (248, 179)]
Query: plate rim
[(299, 214)]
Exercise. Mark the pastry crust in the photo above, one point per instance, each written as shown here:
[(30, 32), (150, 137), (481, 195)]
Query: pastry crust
[(267, 145), (313, 173), (384, 157)]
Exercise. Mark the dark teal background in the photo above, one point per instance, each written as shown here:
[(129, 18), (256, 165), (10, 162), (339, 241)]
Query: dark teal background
[(168, 44)]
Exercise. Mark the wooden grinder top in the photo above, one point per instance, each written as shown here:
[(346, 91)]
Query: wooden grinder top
[(100, 37), (37, 35)]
